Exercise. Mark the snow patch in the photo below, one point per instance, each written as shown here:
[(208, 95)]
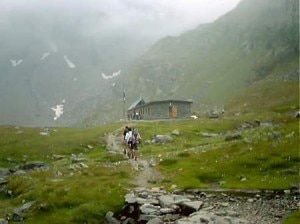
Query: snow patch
[(15, 63), (45, 55), (111, 76), (59, 110), (69, 63)]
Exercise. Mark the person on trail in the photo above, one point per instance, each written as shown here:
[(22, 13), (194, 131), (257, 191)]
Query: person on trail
[(136, 140), (128, 139), (124, 139)]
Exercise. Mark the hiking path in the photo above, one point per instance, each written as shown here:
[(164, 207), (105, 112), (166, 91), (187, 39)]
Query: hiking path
[(146, 173)]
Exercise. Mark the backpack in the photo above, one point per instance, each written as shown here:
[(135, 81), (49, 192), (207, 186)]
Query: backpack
[(135, 138)]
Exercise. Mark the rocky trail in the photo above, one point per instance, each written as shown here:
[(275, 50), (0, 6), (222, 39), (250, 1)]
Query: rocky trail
[(146, 172), (154, 205)]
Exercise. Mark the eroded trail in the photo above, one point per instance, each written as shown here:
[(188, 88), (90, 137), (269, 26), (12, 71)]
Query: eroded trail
[(146, 173)]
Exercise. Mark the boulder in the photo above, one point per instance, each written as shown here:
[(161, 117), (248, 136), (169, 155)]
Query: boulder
[(176, 132), (33, 165), (3, 221), (19, 213), (155, 221), (233, 136), (162, 139)]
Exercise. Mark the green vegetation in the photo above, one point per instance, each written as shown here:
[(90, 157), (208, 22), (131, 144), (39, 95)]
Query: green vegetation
[(65, 192), (258, 161), (267, 157), (258, 72), (293, 219)]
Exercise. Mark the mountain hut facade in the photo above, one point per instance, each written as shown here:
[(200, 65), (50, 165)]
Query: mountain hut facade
[(165, 109)]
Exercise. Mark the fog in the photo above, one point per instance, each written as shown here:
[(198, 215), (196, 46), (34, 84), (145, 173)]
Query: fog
[(152, 17), (75, 49)]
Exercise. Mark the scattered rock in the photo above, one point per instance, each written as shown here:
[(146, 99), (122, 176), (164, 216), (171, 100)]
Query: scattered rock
[(19, 213), (210, 135), (233, 136), (90, 146), (3, 221), (195, 206), (77, 158), (276, 135), (58, 157), (4, 172), (162, 139), (34, 165), (213, 115), (155, 221), (83, 165), (44, 133), (176, 132)]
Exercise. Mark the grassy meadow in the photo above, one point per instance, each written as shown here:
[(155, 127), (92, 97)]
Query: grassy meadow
[(266, 157)]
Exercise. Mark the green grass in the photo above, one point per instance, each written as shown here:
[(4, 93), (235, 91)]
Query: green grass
[(84, 195), (294, 218), (63, 195), (193, 161)]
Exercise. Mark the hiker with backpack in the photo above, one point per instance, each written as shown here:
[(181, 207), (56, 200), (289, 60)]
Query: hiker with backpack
[(126, 129), (128, 142), (135, 142)]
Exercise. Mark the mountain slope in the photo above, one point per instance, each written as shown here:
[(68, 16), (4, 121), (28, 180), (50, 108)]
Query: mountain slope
[(49, 56), (218, 61)]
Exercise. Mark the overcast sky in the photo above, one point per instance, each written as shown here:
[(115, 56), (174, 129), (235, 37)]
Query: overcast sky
[(166, 17)]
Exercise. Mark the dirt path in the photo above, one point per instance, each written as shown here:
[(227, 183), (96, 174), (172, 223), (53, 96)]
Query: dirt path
[(146, 174)]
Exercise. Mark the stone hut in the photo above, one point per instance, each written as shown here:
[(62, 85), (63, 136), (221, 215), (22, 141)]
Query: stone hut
[(164, 109)]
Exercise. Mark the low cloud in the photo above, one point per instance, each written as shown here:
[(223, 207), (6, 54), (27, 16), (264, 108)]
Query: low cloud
[(151, 17)]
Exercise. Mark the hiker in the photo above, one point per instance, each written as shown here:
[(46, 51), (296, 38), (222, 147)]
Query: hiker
[(136, 140), (124, 140), (128, 139)]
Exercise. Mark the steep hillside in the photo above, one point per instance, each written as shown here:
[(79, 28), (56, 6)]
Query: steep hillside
[(218, 61)]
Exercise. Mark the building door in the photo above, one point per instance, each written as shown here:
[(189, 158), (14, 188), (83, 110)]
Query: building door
[(172, 111)]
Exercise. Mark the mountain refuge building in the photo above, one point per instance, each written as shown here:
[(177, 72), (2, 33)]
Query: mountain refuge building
[(164, 109)]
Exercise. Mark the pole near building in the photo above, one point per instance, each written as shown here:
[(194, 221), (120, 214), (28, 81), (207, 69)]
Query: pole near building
[(124, 99)]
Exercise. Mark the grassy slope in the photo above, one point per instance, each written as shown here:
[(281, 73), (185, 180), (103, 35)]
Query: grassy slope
[(63, 195), (191, 161)]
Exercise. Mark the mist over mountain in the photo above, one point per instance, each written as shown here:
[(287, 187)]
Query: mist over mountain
[(48, 56), (218, 61), (70, 53), (80, 58)]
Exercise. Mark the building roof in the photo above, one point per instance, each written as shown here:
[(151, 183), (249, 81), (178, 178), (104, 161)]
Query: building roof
[(141, 103)]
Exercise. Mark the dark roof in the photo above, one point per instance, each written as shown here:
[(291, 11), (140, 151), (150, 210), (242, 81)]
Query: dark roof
[(139, 102), (138, 105)]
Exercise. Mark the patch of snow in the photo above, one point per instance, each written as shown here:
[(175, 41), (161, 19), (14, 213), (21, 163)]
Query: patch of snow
[(69, 63), (46, 54), (15, 63), (59, 110), (111, 76)]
